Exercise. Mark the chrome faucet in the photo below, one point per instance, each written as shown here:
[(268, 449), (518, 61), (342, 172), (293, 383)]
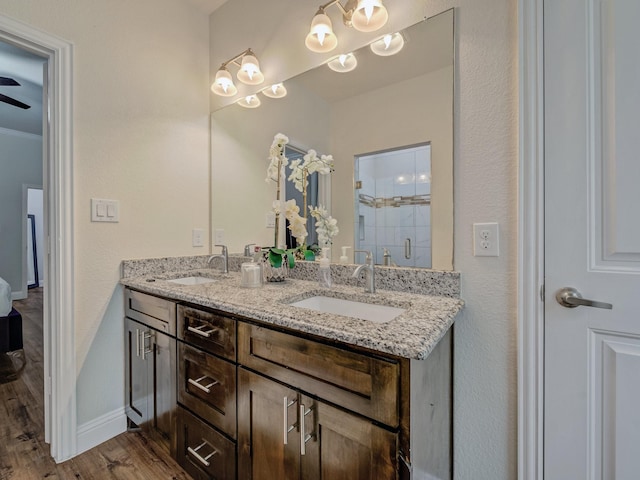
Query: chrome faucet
[(224, 255), (369, 272), (247, 249)]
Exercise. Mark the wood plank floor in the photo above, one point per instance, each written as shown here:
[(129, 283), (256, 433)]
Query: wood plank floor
[(23, 452)]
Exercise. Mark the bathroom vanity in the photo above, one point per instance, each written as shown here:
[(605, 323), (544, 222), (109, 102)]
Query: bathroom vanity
[(264, 389)]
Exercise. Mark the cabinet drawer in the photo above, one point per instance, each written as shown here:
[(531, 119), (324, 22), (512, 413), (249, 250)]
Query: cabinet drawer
[(207, 386), (364, 384), (202, 451), (153, 311), (212, 332)]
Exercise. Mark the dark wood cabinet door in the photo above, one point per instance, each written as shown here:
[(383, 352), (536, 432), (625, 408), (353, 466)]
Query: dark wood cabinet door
[(262, 427), (342, 446), (137, 374)]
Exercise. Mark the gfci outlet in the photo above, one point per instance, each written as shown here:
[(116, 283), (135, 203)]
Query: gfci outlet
[(486, 240), (218, 236)]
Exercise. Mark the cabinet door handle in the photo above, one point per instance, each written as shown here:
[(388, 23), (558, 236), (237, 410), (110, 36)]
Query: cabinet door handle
[(137, 342), (143, 338), (200, 458), (200, 330), (304, 438), (407, 248), (206, 389), (286, 427)]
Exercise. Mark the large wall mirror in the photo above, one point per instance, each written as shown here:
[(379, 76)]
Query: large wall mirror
[(379, 122)]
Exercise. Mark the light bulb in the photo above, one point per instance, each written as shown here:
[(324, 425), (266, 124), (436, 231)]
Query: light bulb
[(369, 15), (388, 45), (277, 90), (250, 101), (321, 38), (223, 84), (249, 72), (343, 63)]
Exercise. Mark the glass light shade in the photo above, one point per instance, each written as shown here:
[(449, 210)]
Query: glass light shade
[(277, 90), (369, 15), (223, 84), (388, 45), (321, 38), (343, 63), (250, 101), (249, 72)]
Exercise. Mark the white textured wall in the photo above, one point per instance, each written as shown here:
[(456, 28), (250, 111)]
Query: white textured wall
[(485, 150), (141, 137), (20, 164)]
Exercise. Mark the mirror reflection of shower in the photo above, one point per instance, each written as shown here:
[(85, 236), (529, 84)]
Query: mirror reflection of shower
[(393, 206)]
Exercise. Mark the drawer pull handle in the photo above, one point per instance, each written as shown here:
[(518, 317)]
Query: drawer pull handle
[(144, 350), (200, 458), (304, 438), (200, 330), (197, 383), (286, 427)]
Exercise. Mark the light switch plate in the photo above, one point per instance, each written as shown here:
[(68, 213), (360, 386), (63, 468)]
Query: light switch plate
[(197, 237), (103, 210), (218, 236), (270, 220)]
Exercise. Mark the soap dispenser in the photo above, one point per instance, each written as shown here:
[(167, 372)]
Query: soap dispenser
[(324, 272), (344, 258)]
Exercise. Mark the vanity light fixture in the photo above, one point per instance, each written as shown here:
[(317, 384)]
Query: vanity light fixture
[(343, 63), (249, 73), (388, 45), (369, 16), (250, 101), (277, 90), (363, 15)]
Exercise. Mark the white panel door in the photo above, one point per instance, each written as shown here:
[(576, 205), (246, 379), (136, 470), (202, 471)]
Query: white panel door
[(592, 239)]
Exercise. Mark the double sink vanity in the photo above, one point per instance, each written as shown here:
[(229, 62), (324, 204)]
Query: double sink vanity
[(292, 380)]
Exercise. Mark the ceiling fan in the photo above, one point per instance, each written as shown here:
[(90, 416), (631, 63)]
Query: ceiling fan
[(10, 82)]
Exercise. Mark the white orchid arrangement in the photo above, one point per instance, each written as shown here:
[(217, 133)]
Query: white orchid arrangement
[(326, 226)]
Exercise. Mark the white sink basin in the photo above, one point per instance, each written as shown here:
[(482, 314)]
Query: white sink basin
[(338, 306), (192, 280)]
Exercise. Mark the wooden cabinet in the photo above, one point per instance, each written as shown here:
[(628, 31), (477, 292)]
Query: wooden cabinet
[(258, 403), (150, 365), (285, 434)]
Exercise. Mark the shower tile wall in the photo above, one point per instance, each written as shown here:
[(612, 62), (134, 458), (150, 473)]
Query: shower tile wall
[(403, 173)]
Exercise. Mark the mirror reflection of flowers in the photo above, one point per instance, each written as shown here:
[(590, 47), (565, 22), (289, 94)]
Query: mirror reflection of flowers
[(326, 225)]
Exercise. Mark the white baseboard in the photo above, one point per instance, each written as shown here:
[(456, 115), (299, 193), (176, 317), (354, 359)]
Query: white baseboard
[(101, 429), (21, 295)]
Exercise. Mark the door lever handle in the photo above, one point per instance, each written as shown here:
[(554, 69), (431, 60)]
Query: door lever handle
[(571, 298)]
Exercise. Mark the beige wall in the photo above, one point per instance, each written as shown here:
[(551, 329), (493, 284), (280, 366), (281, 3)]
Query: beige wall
[(417, 110), (485, 182), (140, 127)]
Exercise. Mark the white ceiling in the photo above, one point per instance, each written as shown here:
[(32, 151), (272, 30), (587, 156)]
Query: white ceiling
[(27, 69)]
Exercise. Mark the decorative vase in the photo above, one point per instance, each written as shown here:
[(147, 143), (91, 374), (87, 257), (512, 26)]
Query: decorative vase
[(274, 274)]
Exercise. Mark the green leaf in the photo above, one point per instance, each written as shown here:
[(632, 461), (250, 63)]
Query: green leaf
[(290, 258), (275, 259), (309, 255)]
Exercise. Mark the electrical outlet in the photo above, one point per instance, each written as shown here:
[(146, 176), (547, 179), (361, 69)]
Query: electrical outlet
[(197, 237), (486, 240), (218, 238)]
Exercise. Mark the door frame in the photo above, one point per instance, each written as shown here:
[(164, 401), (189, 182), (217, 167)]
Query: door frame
[(58, 316), (531, 240)]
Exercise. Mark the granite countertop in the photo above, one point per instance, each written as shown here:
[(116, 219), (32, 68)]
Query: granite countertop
[(413, 334)]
